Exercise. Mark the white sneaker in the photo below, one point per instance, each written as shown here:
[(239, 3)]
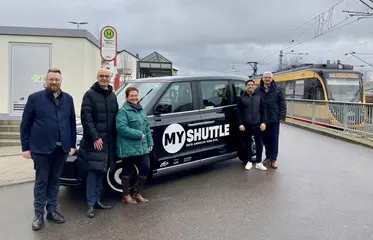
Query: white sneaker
[(260, 166), (249, 165)]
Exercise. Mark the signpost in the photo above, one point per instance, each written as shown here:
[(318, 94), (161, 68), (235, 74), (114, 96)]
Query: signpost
[(109, 49)]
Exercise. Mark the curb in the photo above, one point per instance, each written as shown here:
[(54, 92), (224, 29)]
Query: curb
[(8, 184), (327, 132), (11, 155)]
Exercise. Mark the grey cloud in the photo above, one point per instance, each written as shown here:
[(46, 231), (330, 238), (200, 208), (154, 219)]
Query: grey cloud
[(206, 36)]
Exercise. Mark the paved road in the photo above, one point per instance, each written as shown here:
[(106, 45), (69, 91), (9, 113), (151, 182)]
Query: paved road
[(322, 190)]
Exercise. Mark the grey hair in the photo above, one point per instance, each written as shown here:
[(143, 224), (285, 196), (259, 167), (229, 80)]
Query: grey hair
[(268, 73)]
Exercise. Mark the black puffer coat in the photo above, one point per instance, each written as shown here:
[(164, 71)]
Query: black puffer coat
[(98, 112), (274, 101)]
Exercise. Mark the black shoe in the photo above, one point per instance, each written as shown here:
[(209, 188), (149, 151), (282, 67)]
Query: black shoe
[(91, 212), (38, 222), (99, 205), (55, 217)]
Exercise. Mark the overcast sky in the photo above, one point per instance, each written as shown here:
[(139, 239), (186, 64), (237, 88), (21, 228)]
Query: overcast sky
[(209, 36)]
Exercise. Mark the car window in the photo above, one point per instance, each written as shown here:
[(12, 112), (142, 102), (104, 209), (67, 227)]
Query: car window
[(147, 91), (239, 88), (215, 93), (177, 98)]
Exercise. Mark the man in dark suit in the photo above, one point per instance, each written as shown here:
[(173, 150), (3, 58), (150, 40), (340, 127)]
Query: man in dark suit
[(48, 136)]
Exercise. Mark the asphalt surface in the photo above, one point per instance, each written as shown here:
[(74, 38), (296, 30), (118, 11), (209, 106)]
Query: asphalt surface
[(321, 190)]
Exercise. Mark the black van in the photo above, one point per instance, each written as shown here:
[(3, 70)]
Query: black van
[(193, 122)]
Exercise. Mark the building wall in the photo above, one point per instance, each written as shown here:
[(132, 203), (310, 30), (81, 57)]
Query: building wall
[(77, 58)]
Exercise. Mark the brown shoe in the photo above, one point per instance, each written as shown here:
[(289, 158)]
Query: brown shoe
[(128, 200), (274, 165), (140, 199)]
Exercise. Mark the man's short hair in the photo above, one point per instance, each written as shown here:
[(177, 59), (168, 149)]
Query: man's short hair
[(54, 70), (250, 80), (268, 73)]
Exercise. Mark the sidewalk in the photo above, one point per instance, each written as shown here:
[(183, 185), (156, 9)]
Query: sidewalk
[(15, 170), (345, 136)]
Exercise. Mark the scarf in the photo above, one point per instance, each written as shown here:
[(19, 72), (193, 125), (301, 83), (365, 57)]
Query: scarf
[(137, 106)]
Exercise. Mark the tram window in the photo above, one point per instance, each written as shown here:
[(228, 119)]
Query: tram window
[(309, 88), (319, 93), (289, 89), (313, 89), (299, 89)]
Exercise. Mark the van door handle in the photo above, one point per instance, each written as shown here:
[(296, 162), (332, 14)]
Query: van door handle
[(200, 124), (157, 118)]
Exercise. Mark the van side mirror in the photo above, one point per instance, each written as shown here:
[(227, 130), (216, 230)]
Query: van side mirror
[(163, 108)]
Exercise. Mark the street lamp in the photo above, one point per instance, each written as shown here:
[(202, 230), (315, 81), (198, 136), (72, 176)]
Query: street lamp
[(78, 23)]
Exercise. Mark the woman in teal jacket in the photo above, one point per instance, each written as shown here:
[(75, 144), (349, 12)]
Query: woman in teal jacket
[(134, 142)]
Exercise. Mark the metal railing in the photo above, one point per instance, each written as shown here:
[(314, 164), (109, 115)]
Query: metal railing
[(346, 116)]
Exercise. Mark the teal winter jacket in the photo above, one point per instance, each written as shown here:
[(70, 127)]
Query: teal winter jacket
[(131, 125)]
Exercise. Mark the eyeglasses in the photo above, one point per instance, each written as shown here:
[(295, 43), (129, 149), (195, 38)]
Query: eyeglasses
[(104, 76)]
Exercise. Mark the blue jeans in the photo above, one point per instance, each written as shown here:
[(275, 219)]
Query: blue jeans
[(48, 168), (93, 189)]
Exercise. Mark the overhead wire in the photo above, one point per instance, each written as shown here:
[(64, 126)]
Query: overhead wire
[(314, 23), (335, 27)]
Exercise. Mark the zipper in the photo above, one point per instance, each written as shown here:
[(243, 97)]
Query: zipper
[(142, 128)]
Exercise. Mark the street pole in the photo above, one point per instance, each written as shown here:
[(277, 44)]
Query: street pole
[(280, 60)]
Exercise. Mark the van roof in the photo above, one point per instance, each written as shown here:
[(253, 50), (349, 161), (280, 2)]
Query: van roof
[(190, 78)]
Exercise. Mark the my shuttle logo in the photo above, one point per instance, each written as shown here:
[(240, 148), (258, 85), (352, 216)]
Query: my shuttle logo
[(174, 137)]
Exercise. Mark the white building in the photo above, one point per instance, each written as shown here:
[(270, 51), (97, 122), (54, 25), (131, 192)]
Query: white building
[(28, 53), (127, 65)]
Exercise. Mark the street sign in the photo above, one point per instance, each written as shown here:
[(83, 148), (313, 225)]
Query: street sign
[(108, 43)]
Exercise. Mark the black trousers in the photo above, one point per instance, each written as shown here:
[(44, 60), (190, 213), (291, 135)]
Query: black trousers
[(48, 168), (141, 162), (254, 130), (270, 140), (93, 189)]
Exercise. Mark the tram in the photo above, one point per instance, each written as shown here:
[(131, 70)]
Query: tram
[(333, 84)]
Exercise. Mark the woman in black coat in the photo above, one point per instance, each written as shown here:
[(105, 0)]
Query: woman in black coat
[(98, 146)]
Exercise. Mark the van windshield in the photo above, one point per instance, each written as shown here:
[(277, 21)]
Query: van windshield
[(147, 90)]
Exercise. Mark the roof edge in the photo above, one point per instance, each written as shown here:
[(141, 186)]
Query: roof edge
[(124, 50), (49, 32)]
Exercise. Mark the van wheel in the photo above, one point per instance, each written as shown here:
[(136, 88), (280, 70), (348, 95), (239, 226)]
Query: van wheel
[(242, 155), (113, 182), (253, 147)]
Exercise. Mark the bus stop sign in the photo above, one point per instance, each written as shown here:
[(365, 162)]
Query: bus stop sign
[(108, 43)]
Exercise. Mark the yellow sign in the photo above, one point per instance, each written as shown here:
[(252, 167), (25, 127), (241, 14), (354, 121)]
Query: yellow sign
[(109, 33)]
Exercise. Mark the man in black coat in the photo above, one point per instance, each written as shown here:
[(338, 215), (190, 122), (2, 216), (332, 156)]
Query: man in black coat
[(98, 145), (275, 104), (251, 119), (48, 135)]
